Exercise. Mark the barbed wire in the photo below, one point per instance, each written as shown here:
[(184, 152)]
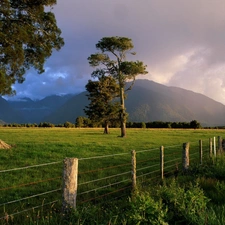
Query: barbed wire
[(147, 150), (31, 183), (103, 156), (172, 154), (32, 196), (102, 187), (101, 196), (146, 160), (104, 178), (28, 167), (166, 167), (195, 153), (101, 169), (147, 167), (26, 210), (172, 160), (145, 174), (171, 146)]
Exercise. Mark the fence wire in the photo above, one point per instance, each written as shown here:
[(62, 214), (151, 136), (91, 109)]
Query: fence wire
[(115, 175)]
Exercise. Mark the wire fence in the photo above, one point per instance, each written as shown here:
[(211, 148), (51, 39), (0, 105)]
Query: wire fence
[(100, 178), (28, 189)]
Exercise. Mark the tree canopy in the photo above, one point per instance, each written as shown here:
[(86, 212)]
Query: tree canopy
[(102, 108), (28, 35), (111, 61)]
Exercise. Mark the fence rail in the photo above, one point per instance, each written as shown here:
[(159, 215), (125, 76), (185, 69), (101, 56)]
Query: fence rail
[(100, 176)]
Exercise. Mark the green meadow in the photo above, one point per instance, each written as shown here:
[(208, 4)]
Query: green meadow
[(42, 145), (48, 147)]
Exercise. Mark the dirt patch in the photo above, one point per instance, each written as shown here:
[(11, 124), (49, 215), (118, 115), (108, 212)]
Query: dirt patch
[(3, 145)]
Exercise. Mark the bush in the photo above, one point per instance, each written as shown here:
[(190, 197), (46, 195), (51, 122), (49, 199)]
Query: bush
[(185, 205), (69, 125), (144, 210)]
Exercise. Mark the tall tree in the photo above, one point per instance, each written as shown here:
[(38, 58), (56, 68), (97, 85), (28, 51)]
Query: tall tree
[(102, 108), (28, 35), (111, 61)]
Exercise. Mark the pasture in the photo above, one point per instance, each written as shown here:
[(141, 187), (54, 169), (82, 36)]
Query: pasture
[(49, 146), (41, 145)]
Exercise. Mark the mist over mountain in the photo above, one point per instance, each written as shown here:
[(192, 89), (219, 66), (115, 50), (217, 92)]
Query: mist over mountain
[(8, 113), (147, 101), (33, 111)]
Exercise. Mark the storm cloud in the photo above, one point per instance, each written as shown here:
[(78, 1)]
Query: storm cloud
[(181, 42)]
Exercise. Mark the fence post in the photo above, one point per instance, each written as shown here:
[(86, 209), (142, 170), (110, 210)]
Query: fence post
[(185, 156), (210, 147), (70, 177), (214, 145), (200, 152), (219, 144), (133, 172), (162, 161)]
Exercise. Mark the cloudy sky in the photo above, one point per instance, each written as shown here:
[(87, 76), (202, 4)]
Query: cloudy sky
[(182, 42)]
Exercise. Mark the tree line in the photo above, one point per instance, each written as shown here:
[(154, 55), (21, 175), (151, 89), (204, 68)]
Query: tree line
[(84, 122)]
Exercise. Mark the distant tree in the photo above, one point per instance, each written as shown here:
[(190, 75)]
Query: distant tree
[(195, 124), (68, 125), (102, 108), (87, 122), (82, 121), (117, 67), (28, 34), (79, 121), (143, 125), (46, 124)]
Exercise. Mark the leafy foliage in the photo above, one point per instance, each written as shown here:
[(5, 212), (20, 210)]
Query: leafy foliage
[(145, 210), (28, 34), (184, 204), (102, 108), (111, 61)]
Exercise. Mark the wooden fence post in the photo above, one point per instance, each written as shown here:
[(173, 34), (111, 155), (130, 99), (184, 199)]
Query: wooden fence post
[(185, 156), (133, 171), (219, 144), (70, 178), (210, 147), (162, 161), (214, 146), (200, 152)]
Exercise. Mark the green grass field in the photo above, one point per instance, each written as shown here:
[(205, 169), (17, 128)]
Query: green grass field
[(34, 146), (41, 145)]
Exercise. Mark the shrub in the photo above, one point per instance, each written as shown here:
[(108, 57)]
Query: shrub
[(68, 125), (144, 210), (186, 205)]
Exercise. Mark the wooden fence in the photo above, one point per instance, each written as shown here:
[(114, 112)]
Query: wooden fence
[(70, 174), (98, 177)]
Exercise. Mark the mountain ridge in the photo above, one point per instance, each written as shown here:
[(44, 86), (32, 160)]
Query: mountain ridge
[(147, 101)]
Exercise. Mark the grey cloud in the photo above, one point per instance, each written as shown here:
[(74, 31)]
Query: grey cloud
[(182, 42)]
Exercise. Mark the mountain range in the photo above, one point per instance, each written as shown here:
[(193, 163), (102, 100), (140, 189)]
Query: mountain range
[(147, 101)]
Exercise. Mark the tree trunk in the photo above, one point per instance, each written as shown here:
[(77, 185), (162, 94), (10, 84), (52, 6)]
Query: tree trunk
[(106, 129), (123, 129), (122, 113)]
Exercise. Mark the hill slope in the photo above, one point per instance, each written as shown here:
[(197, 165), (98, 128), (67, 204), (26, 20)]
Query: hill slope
[(35, 111), (150, 101), (8, 114)]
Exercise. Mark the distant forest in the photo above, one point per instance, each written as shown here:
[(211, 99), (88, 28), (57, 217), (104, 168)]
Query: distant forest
[(83, 122)]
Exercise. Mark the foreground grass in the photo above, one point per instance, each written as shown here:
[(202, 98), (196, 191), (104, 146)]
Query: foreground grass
[(32, 146)]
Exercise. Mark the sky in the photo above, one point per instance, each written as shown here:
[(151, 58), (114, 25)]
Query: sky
[(182, 42)]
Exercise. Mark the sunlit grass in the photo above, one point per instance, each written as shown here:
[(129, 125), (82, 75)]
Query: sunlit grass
[(33, 146)]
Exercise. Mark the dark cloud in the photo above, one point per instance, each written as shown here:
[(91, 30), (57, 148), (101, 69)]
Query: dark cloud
[(182, 42)]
